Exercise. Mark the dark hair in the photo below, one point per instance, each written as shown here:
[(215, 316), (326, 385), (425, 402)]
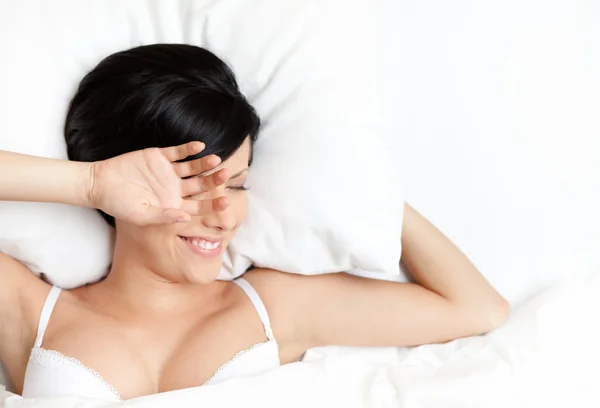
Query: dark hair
[(157, 96)]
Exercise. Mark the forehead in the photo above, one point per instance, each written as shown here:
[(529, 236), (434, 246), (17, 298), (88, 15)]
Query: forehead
[(240, 159)]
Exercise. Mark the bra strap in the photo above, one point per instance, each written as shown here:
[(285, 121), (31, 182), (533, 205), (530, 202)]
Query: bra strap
[(258, 305), (46, 313)]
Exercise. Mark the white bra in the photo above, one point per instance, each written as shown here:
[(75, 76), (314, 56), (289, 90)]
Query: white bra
[(52, 374)]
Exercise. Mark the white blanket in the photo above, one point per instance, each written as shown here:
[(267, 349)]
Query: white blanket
[(548, 354)]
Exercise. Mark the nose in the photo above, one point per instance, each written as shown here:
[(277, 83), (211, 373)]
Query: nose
[(222, 220)]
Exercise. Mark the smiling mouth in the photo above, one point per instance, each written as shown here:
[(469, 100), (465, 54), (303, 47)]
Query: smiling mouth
[(203, 246)]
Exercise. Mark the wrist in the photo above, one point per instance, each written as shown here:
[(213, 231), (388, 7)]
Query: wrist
[(84, 184)]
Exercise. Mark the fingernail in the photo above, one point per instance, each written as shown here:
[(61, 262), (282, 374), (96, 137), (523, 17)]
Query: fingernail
[(181, 219)]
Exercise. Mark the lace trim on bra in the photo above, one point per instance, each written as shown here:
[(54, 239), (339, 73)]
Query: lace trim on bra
[(232, 359), (57, 355)]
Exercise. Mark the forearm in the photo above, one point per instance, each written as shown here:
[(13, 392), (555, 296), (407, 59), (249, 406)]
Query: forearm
[(438, 265), (31, 178)]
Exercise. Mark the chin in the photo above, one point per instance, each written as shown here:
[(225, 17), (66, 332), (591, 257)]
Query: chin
[(198, 265), (201, 276)]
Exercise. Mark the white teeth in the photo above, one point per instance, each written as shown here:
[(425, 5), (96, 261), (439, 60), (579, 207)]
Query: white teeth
[(203, 244), (212, 245)]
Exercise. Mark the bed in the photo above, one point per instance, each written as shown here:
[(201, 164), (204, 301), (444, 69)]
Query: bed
[(546, 355)]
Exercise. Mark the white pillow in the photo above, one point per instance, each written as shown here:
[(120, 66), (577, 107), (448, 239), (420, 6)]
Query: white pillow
[(325, 192)]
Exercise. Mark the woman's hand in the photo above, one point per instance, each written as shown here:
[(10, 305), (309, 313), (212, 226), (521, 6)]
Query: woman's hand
[(149, 186)]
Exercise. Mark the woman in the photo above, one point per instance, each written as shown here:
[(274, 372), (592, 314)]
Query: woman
[(160, 140)]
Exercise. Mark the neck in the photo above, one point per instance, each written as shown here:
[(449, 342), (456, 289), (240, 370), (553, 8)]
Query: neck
[(131, 286)]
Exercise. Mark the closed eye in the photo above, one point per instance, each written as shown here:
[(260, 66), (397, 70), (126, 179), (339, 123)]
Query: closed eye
[(238, 188)]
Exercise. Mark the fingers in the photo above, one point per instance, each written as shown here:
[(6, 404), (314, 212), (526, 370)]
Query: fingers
[(175, 153), (203, 184), (198, 166), (150, 215), (156, 215), (195, 207)]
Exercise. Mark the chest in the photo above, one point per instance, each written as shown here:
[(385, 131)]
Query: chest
[(148, 356)]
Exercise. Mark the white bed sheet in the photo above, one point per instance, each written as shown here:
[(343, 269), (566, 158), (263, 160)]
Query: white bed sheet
[(547, 354)]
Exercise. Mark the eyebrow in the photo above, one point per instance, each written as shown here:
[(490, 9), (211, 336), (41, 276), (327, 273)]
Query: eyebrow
[(239, 173)]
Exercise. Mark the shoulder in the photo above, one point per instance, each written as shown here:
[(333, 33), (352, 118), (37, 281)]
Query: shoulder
[(283, 290), (276, 291), (22, 295), (273, 287), (293, 302), (291, 289), (266, 280), (17, 282), (283, 285)]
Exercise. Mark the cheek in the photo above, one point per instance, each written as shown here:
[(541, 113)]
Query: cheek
[(151, 243), (156, 238), (241, 209), (238, 210)]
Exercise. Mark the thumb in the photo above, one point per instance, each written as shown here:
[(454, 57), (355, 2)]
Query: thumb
[(158, 215), (171, 215)]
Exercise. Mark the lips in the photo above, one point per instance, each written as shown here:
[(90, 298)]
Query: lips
[(204, 246)]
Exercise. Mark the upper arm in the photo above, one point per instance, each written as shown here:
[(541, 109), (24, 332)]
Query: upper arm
[(354, 311), (451, 300), (20, 294), (17, 287), (11, 275), (341, 309)]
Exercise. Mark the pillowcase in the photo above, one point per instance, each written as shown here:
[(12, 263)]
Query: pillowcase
[(326, 193)]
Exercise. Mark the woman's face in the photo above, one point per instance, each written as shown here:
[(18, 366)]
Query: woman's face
[(192, 252)]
